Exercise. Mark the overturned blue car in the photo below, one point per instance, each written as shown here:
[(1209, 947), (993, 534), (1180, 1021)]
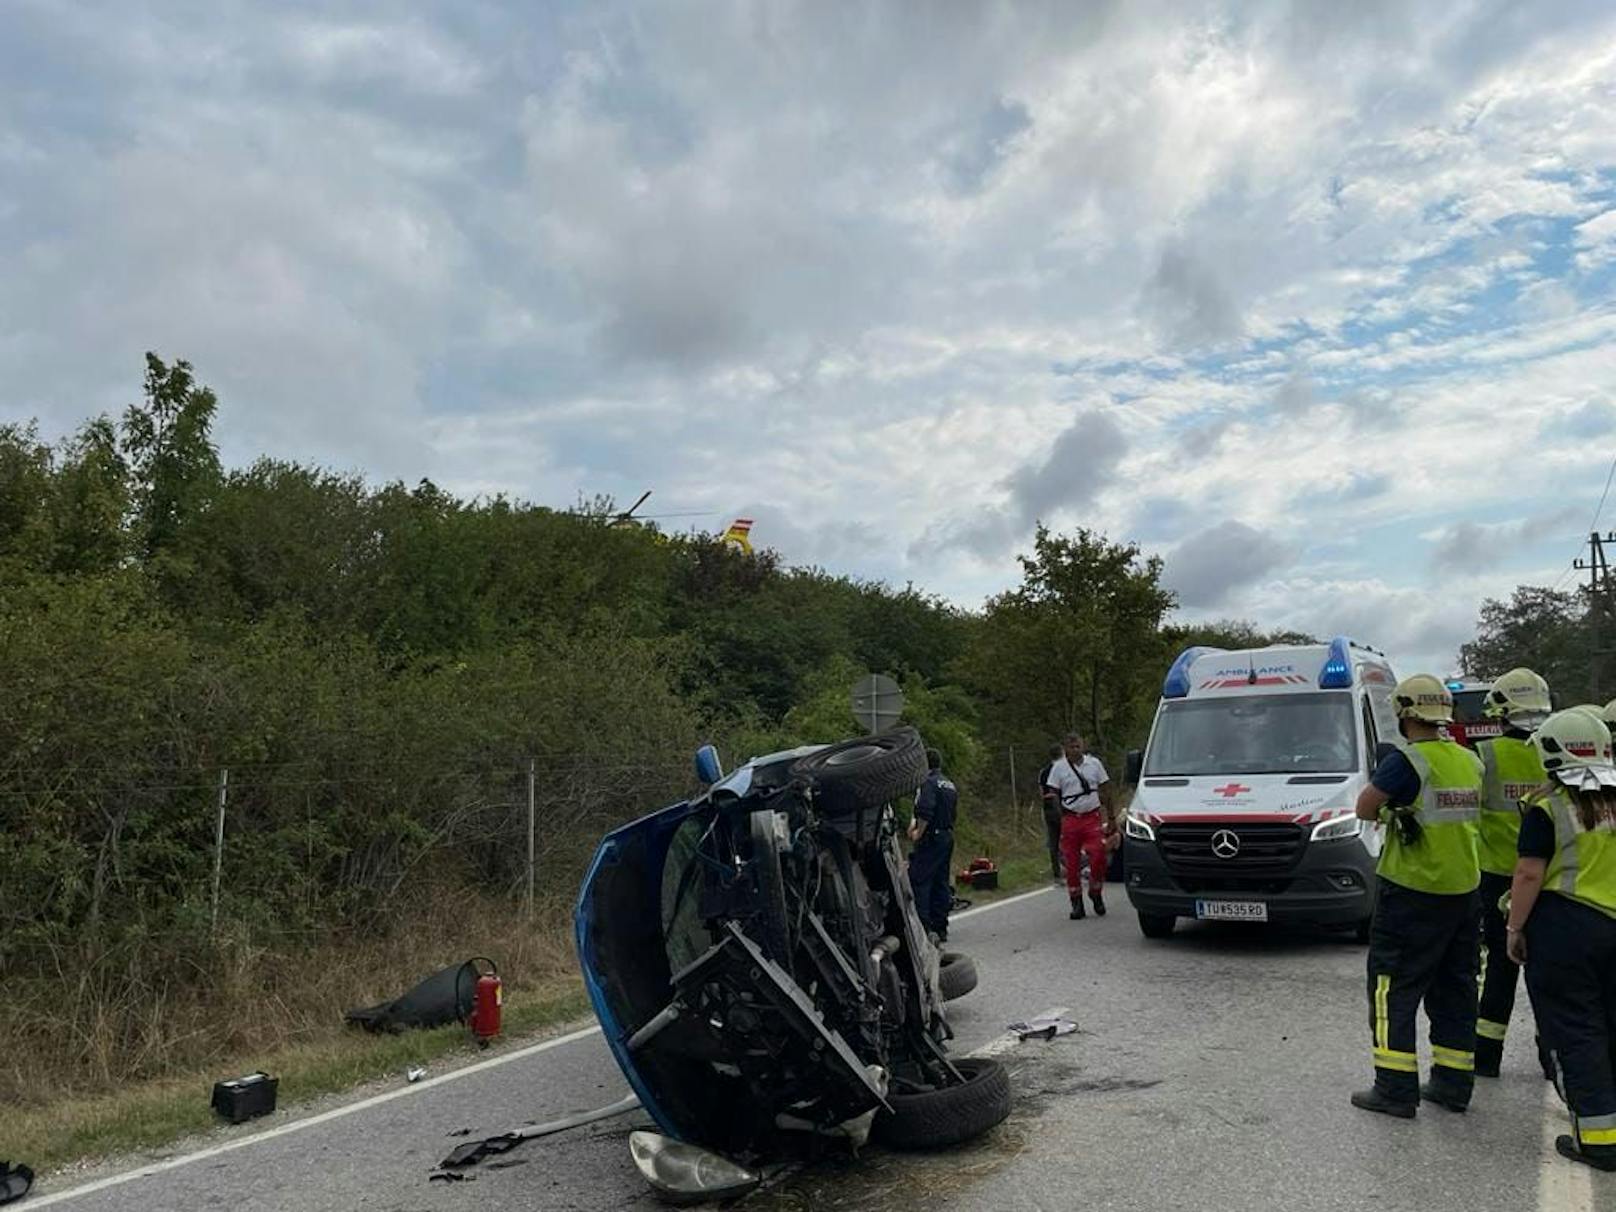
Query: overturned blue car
[(760, 973)]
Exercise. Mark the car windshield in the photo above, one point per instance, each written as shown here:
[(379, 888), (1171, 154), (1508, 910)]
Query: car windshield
[(1468, 704), (1255, 734)]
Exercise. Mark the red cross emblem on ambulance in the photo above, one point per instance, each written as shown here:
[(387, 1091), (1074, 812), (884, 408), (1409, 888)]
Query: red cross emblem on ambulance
[(1232, 790)]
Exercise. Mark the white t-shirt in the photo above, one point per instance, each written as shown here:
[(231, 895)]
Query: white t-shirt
[(1066, 782)]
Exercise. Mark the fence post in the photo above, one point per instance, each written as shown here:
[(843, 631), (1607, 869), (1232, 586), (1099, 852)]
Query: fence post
[(1015, 800), (218, 844), (531, 798)]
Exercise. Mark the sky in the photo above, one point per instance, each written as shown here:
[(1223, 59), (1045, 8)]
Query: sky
[(1313, 300)]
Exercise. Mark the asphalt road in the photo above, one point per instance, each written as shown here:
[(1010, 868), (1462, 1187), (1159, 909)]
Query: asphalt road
[(1211, 1070)]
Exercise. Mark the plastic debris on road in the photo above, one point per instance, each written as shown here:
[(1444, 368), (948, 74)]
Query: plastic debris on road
[(1042, 1028)]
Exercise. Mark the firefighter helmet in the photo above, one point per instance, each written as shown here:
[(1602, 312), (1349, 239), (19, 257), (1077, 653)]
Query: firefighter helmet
[(1575, 747), (1521, 697), (1423, 697)]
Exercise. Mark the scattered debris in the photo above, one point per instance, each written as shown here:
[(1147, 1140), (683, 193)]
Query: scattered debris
[(979, 873), (243, 1098), (472, 1152), (450, 1176), (445, 997), (459, 1132), (415, 1073), (15, 1181), (1042, 1028)]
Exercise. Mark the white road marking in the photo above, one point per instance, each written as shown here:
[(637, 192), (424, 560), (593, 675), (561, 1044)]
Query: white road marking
[(1009, 900), (175, 1163), (1009, 1041), (493, 1062), (1562, 1184)]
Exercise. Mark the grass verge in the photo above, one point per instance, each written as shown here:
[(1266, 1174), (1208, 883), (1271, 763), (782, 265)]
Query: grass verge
[(157, 1112)]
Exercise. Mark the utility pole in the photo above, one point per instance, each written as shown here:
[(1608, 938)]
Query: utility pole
[(1598, 569)]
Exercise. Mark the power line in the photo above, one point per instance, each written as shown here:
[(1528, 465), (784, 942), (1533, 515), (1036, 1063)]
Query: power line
[(1593, 526)]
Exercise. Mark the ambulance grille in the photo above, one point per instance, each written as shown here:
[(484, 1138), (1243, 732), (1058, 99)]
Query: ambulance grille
[(1266, 851)]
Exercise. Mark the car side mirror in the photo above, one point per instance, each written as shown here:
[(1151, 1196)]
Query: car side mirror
[(708, 768), (1134, 766)]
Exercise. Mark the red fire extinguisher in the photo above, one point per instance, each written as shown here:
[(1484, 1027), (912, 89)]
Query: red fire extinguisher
[(486, 999)]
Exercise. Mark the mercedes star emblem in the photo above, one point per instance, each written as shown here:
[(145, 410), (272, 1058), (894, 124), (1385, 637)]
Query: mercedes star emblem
[(1225, 843)]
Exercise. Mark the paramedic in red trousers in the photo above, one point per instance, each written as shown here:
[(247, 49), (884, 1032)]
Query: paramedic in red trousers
[(1087, 821)]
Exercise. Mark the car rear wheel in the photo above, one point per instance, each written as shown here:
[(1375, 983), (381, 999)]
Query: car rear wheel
[(956, 975), (1157, 925), (948, 1115)]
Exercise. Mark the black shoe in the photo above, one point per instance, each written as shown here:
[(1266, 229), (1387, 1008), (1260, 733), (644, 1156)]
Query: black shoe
[(1567, 1147), (1373, 1100), (1077, 914), (1432, 1092), (1099, 905)]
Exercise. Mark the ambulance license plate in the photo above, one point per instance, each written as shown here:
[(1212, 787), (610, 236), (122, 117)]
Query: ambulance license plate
[(1231, 911)]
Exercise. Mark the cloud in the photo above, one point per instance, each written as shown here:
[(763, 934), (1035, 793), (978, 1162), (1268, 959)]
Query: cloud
[(1590, 419), (1469, 546), (1188, 301), (1207, 568)]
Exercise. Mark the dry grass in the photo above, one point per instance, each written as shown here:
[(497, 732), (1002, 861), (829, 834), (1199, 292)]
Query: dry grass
[(130, 1064)]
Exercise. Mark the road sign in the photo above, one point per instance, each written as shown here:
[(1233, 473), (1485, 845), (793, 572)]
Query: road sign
[(877, 702)]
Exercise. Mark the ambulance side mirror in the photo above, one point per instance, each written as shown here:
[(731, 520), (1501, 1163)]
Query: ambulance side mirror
[(1133, 767)]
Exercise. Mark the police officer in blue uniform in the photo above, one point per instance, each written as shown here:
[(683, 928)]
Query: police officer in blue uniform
[(932, 833)]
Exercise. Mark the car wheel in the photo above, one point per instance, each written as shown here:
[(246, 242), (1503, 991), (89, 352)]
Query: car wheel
[(948, 1115), (771, 928), (956, 975), (1157, 925), (865, 773)]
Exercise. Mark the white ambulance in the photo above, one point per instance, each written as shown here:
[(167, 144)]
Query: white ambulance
[(1243, 808)]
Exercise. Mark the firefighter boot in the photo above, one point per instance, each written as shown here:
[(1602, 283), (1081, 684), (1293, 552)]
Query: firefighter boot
[(1489, 1056), (1375, 1099), (1435, 1091)]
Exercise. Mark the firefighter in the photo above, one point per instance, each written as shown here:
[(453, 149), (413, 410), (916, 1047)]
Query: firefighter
[(1562, 924), (1424, 941), (1512, 771)]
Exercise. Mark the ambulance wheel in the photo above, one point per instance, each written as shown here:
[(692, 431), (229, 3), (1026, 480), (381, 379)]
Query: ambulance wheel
[(948, 1115), (1157, 925), (865, 773), (956, 975)]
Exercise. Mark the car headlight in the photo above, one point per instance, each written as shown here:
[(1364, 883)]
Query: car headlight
[(1337, 828), (1138, 828), (685, 1173)]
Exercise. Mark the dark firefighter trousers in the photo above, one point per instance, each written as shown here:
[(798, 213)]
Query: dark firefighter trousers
[(1499, 976), (1423, 947), (1571, 975), (931, 879)]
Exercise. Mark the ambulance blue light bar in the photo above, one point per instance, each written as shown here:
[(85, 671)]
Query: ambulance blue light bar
[(1177, 683), (1337, 671)]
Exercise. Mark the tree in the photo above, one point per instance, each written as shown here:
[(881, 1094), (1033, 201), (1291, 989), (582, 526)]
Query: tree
[(1545, 630), (1076, 646), (168, 442)]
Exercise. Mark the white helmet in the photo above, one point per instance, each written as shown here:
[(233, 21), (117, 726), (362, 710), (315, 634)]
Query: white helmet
[(1521, 697), (1423, 697), (1575, 746)]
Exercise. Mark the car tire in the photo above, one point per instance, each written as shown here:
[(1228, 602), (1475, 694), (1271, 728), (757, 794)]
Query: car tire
[(1157, 925), (936, 1119), (956, 975), (772, 928), (865, 773)]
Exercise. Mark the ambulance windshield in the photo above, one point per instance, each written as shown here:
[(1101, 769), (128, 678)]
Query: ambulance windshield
[(1255, 734)]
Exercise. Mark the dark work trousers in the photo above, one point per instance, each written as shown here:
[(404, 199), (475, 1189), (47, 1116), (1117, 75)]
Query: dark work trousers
[(929, 877), (1498, 976), (1423, 947), (1052, 834), (1571, 975)]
